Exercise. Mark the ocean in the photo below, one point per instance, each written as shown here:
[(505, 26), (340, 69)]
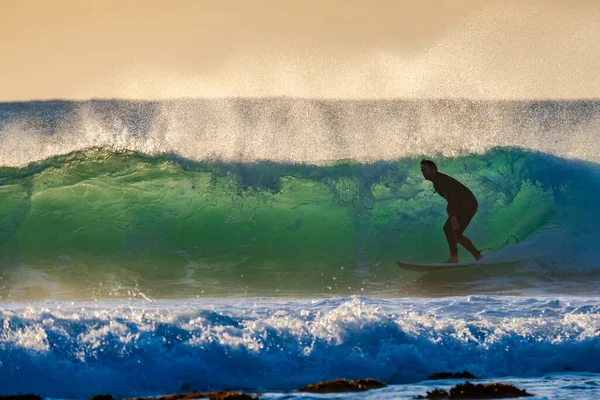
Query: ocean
[(153, 247)]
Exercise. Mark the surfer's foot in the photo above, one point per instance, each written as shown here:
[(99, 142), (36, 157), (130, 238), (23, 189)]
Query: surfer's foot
[(479, 257), (451, 260)]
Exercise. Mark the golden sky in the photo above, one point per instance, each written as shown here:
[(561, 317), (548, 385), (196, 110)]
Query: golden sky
[(147, 49)]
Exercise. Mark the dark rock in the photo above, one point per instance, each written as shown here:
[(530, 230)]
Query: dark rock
[(179, 396), (452, 375), (208, 395), (102, 397), (230, 396), (437, 394), (486, 391), (342, 385), (21, 397)]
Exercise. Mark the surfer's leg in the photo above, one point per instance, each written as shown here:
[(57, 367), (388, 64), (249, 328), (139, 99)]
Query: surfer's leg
[(464, 220), (451, 237), (467, 244)]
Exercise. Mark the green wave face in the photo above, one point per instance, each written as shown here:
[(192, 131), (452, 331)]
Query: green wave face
[(101, 223)]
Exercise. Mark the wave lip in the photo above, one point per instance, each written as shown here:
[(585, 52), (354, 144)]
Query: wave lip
[(297, 130)]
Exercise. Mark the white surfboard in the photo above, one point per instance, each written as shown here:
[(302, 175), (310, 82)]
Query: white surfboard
[(449, 266)]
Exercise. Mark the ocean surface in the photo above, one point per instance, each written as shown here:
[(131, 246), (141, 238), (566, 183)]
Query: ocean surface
[(250, 244)]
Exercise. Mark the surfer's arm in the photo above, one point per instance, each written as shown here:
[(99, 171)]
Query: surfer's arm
[(454, 222), (445, 188), (453, 207), (453, 202)]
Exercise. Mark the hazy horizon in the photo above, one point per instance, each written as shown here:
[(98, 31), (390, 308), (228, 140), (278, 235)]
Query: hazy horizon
[(151, 50), (300, 98)]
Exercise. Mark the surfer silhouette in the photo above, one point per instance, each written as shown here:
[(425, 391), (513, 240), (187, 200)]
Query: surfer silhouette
[(462, 206)]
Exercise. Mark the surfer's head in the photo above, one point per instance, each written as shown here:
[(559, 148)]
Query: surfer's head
[(428, 169)]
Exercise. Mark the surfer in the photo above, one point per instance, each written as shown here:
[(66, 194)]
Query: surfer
[(462, 206)]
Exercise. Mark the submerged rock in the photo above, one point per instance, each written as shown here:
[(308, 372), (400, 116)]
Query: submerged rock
[(487, 391), (452, 375), (483, 391), (436, 394), (342, 385), (21, 397), (230, 396), (208, 395)]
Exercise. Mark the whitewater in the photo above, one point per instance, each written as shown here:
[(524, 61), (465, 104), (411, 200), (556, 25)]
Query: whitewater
[(151, 247)]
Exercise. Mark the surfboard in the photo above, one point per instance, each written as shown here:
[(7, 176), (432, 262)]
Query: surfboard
[(447, 266), (509, 255)]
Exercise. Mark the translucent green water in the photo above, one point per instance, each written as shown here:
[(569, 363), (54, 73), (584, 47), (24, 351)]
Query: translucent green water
[(100, 221)]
